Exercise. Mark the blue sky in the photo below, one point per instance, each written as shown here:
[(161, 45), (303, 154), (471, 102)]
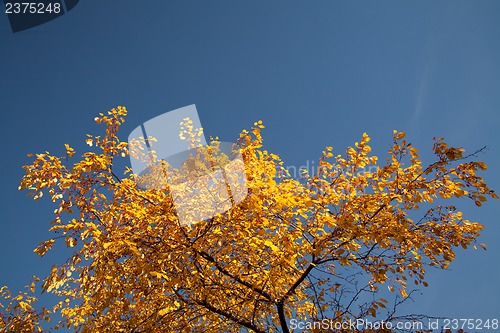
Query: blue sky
[(317, 73)]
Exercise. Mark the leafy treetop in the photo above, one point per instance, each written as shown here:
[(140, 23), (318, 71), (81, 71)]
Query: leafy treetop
[(305, 248)]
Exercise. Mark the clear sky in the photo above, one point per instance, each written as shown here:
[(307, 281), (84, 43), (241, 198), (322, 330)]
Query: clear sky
[(317, 73)]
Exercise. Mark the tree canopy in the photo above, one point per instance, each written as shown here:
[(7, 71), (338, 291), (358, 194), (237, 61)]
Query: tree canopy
[(306, 249)]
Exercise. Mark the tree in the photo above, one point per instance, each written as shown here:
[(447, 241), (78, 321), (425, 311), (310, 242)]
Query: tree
[(309, 249)]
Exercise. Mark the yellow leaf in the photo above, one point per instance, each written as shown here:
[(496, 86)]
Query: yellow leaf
[(44, 247), (271, 245), (163, 312), (400, 135)]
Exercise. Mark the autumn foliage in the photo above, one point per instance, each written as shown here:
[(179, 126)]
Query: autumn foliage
[(293, 248)]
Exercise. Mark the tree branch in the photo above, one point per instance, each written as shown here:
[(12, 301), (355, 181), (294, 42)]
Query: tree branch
[(281, 313), (221, 269)]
